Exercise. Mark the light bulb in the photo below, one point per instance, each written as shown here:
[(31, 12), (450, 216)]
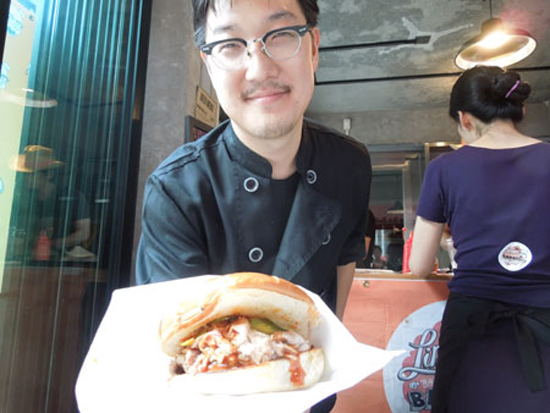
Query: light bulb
[(494, 40)]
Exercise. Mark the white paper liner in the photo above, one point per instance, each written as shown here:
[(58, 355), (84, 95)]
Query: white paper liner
[(126, 371)]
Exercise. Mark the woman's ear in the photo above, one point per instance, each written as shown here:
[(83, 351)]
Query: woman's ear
[(465, 120)]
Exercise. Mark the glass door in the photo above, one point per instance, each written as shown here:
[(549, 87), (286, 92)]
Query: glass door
[(70, 113)]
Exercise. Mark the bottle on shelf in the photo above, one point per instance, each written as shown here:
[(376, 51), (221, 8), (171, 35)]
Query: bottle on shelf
[(42, 250), (407, 251)]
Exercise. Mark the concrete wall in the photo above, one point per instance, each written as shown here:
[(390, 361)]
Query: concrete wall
[(421, 126), (537, 120), (174, 71)]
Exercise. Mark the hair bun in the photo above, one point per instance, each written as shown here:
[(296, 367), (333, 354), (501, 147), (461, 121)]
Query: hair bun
[(506, 87), (489, 92)]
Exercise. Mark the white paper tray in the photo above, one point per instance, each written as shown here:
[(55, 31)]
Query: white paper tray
[(126, 371)]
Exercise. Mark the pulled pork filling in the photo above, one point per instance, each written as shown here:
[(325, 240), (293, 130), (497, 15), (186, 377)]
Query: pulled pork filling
[(232, 343)]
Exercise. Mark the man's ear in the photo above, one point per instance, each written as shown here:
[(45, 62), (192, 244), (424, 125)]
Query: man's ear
[(316, 39), (206, 63)]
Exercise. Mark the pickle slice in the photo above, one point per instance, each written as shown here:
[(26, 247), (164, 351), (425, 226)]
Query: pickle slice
[(187, 343), (263, 325)]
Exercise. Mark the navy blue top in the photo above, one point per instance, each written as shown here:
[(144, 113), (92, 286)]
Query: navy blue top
[(497, 204)]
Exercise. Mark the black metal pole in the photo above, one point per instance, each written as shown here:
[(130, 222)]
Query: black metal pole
[(4, 13)]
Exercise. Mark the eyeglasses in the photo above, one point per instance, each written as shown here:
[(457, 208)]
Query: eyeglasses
[(278, 44)]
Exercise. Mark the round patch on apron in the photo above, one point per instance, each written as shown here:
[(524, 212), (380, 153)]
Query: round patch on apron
[(515, 256)]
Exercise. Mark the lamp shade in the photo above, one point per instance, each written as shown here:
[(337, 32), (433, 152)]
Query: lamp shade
[(497, 45)]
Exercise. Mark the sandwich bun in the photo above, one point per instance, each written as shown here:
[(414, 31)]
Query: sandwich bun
[(247, 294)]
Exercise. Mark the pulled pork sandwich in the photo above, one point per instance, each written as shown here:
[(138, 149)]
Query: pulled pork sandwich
[(248, 335)]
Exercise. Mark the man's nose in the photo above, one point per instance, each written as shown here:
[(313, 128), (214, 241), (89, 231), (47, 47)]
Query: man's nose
[(259, 65)]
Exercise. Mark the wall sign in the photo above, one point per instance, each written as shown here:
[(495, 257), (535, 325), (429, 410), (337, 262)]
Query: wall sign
[(206, 108), (408, 379), (396, 312)]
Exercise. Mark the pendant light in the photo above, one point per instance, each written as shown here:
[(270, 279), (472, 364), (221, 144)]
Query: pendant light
[(497, 45)]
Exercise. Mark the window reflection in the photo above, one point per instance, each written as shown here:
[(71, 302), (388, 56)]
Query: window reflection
[(53, 221), (67, 94)]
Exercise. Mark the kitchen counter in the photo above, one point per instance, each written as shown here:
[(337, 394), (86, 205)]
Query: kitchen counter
[(395, 311), (366, 273)]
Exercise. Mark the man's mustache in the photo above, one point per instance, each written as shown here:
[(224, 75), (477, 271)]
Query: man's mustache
[(271, 85)]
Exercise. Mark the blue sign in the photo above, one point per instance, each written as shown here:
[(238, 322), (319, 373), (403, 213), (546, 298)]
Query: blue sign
[(30, 5), (15, 22), (4, 79)]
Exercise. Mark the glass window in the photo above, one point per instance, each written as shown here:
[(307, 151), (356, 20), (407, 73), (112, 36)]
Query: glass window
[(69, 104), (396, 183), (398, 171)]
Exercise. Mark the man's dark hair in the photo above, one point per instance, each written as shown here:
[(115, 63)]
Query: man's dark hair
[(201, 7), (488, 93)]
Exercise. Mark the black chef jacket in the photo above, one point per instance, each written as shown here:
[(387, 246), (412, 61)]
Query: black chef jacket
[(205, 205)]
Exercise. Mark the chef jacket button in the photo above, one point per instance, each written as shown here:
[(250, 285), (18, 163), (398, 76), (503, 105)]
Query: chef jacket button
[(326, 240), (255, 254), (251, 184), (311, 176)]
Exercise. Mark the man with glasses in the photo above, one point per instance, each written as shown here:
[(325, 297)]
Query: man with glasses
[(265, 191)]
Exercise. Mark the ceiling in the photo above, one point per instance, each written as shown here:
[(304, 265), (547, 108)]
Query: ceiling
[(408, 76)]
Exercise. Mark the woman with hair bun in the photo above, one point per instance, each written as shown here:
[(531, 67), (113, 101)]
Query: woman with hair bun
[(494, 194)]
